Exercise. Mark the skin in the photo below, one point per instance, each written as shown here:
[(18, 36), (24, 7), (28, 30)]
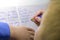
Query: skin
[(36, 19), (49, 28), (21, 33)]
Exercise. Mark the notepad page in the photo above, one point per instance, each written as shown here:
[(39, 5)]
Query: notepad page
[(10, 16), (20, 15), (26, 13)]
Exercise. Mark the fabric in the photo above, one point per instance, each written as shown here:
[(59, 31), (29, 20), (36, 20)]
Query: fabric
[(4, 31)]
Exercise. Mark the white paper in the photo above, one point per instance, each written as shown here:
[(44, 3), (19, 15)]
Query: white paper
[(20, 15)]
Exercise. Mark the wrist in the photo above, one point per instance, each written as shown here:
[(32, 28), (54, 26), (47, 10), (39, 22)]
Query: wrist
[(12, 31)]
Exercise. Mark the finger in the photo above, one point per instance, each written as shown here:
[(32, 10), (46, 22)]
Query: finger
[(31, 32), (13, 39), (38, 19), (31, 37), (36, 22), (30, 29), (38, 13)]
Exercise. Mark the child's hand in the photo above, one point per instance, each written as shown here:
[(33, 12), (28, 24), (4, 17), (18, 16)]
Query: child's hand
[(37, 17), (22, 33)]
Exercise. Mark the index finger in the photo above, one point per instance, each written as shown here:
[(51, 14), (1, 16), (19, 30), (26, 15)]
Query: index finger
[(39, 13), (30, 29)]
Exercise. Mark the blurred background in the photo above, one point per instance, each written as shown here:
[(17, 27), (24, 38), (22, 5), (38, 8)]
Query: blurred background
[(20, 12)]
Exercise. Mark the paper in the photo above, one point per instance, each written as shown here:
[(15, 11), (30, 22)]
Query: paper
[(18, 16)]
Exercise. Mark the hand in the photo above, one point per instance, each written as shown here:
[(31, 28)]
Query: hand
[(37, 17), (22, 33)]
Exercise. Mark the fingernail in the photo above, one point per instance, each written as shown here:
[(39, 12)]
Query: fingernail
[(40, 15)]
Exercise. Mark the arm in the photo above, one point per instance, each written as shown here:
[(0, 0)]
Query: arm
[(4, 31), (8, 32), (50, 24)]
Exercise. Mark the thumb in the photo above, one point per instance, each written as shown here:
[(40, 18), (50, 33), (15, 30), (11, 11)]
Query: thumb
[(38, 19)]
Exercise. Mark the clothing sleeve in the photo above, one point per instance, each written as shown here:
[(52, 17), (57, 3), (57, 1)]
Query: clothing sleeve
[(4, 31)]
